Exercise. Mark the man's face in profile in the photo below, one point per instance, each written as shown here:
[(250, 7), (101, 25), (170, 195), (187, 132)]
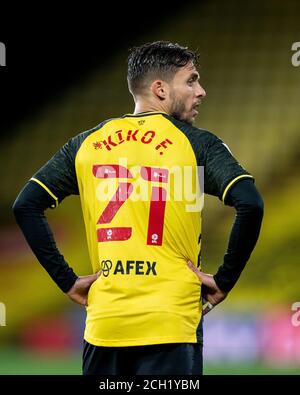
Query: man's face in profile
[(185, 94)]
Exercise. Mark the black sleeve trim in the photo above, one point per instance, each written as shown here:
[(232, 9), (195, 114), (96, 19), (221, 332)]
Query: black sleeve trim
[(231, 184), (47, 190)]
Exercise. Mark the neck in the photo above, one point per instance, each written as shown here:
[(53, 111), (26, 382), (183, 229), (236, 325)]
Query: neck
[(144, 107)]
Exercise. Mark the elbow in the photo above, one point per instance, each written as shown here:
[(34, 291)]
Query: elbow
[(261, 206), (30, 201), (252, 208), (257, 207), (17, 207), (21, 204)]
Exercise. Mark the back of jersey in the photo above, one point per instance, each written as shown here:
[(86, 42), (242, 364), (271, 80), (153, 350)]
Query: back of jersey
[(141, 201), (139, 178)]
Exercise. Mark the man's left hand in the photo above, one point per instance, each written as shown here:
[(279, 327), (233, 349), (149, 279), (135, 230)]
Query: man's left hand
[(211, 293)]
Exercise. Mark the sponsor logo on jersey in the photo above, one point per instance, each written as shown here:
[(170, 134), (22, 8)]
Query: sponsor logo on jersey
[(129, 267)]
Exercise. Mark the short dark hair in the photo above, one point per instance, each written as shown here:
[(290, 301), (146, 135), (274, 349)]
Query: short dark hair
[(159, 59)]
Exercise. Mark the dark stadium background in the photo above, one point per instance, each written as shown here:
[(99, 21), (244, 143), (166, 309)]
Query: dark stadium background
[(49, 51), (65, 73)]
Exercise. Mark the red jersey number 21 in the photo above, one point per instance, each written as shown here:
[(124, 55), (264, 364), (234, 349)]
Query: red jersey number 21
[(125, 189)]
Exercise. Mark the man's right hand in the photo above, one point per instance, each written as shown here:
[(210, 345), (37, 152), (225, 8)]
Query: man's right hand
[(79, 292)]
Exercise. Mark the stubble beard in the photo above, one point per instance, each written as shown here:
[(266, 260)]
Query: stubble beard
[(178, 110)]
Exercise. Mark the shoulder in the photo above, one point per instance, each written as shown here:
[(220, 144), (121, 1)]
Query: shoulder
[(194, 133), (74, 143), (202, 140)]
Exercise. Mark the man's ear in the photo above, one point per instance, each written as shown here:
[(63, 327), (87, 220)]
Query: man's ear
[(160, 89)]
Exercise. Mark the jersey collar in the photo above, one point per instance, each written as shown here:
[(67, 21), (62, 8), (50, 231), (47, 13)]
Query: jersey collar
[(145, 113)]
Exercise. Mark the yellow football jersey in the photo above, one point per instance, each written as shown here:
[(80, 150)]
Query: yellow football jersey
[(141, 187)]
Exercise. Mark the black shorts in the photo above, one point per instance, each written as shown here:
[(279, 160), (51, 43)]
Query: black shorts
[(157, 359)]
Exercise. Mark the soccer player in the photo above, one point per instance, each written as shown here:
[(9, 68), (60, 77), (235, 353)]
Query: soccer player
[(134, 175)]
